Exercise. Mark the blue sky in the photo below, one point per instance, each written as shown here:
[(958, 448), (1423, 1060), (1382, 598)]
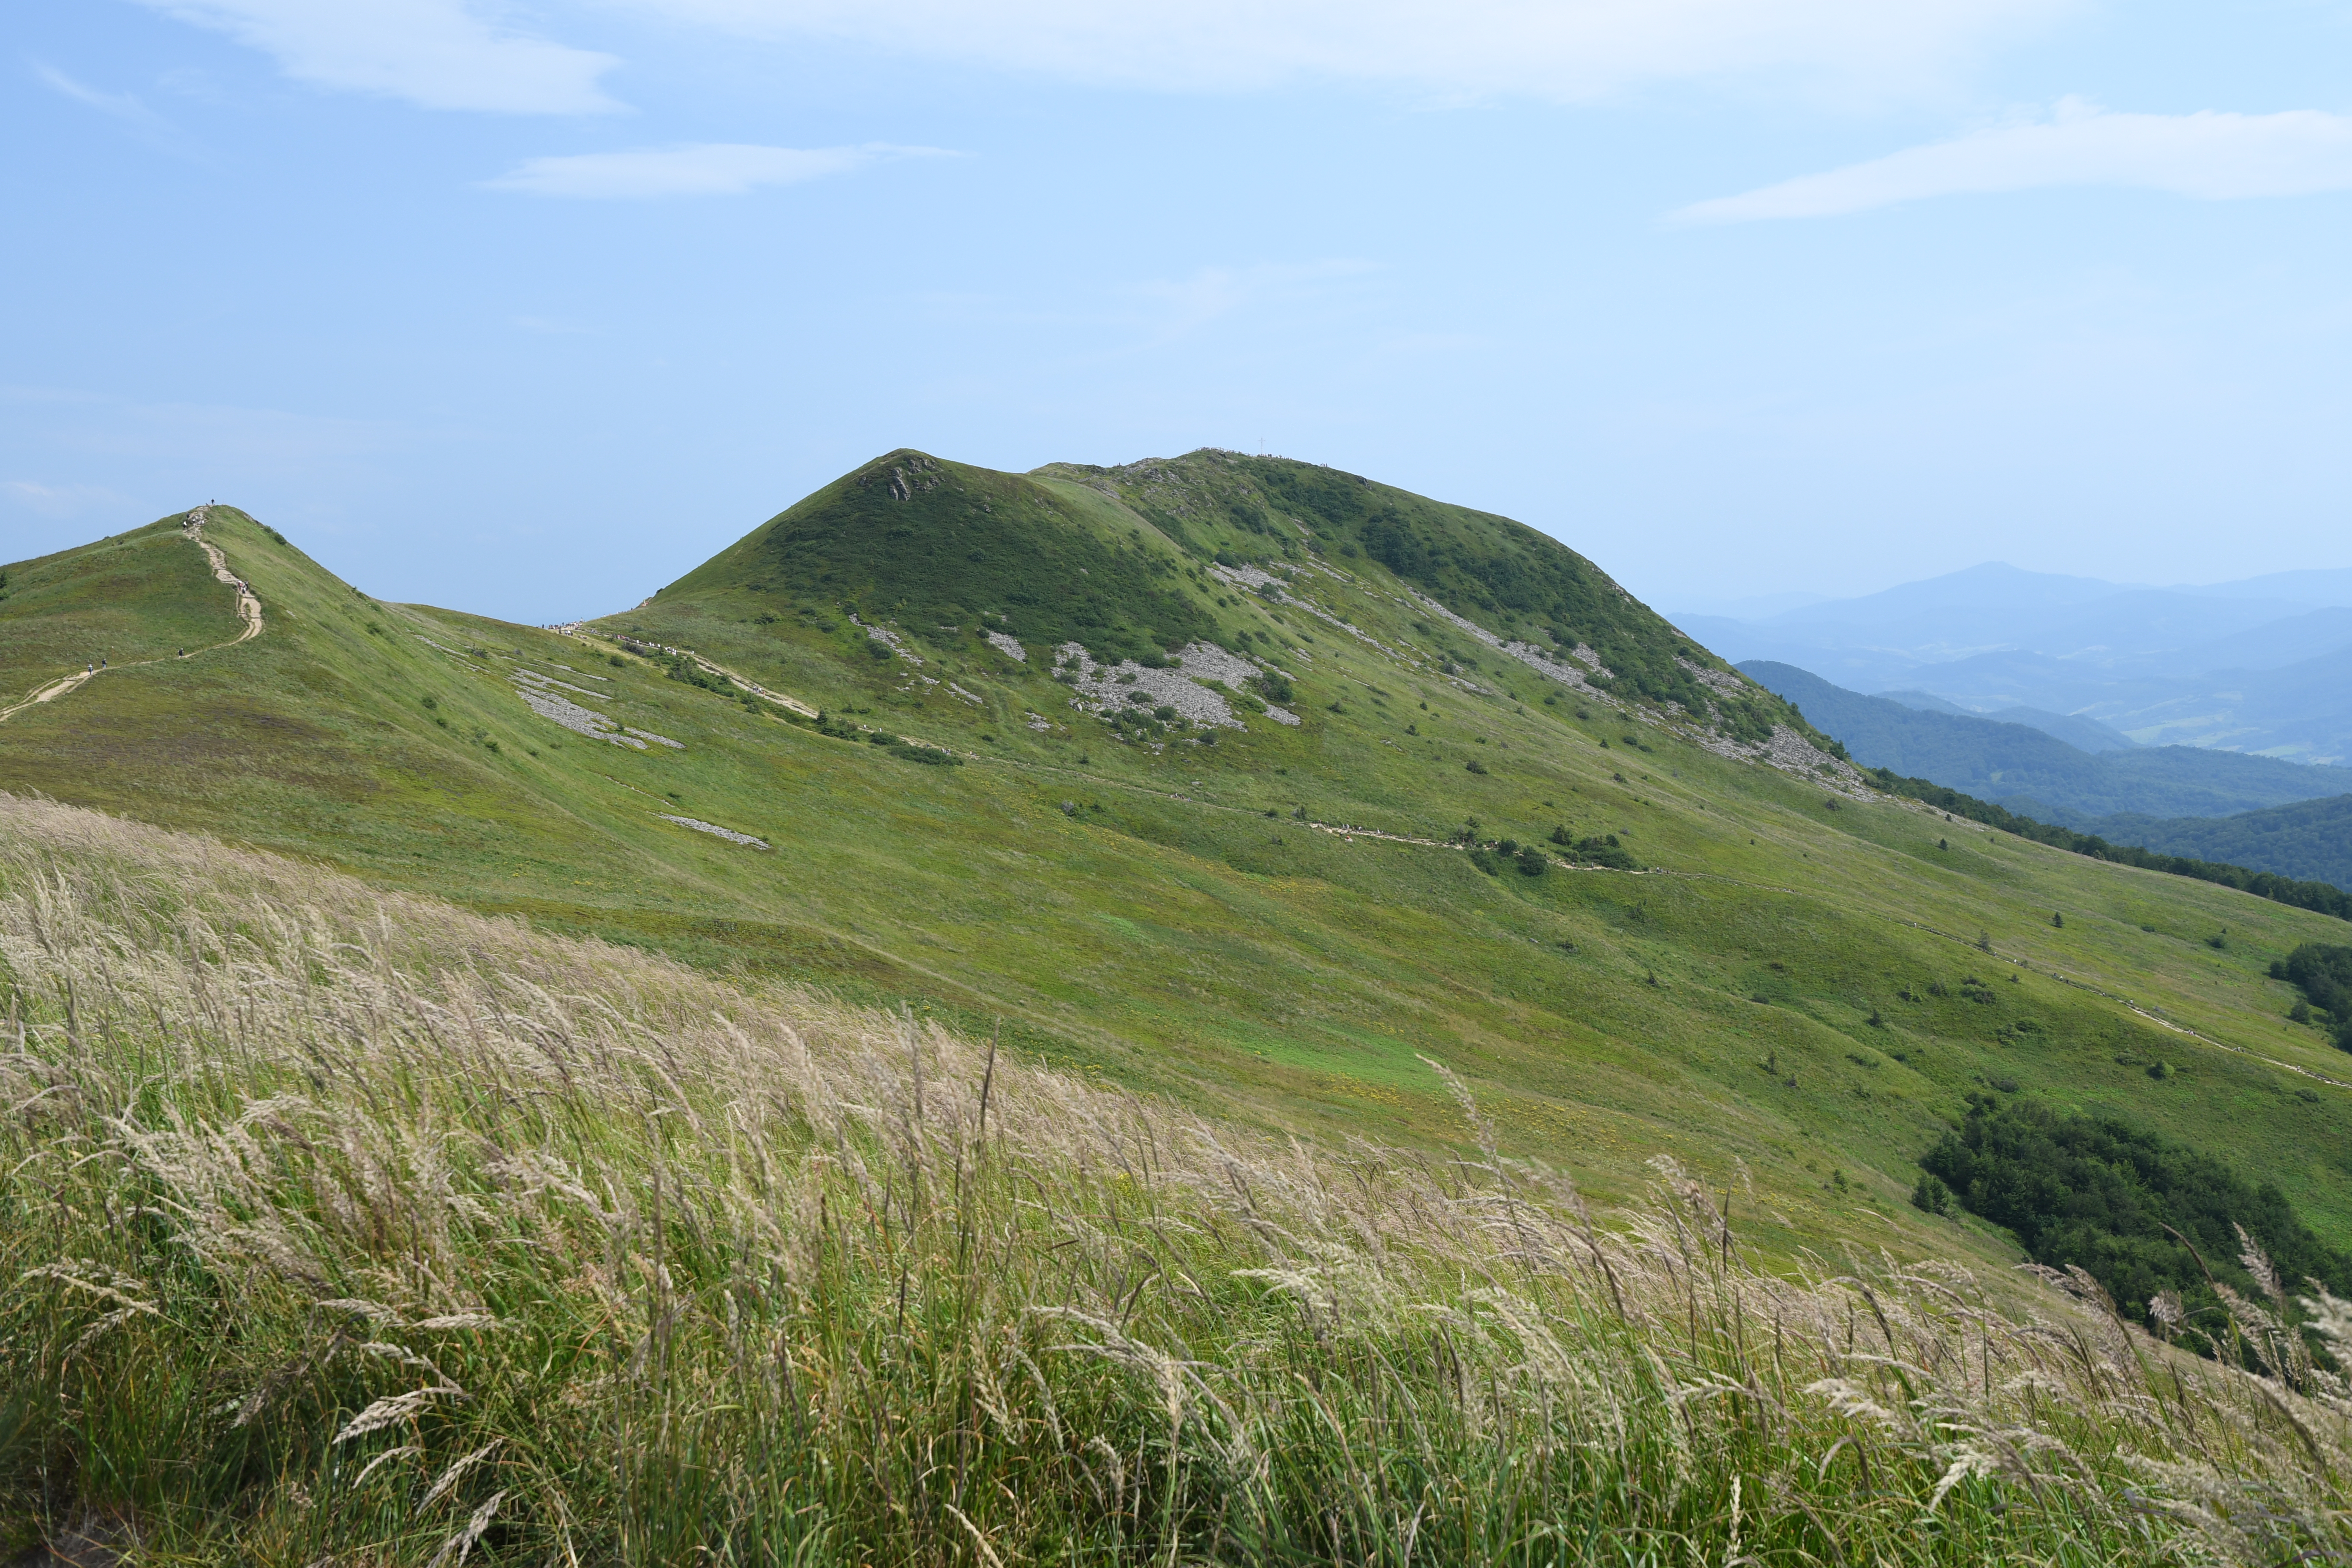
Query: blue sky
[(527, 309)]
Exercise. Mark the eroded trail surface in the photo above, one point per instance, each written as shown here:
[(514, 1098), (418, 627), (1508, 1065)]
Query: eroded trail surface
[(248, 612), (249, 607), (49, 693), (708, 666)]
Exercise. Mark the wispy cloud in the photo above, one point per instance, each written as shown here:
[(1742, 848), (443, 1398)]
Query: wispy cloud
[(2212, 155), (115, 432), (120, 106), (702, 169), (1181, 304), (1560, 48), (58, 500), (438, 54)]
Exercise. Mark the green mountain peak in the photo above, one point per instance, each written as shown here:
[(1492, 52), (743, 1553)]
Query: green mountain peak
[(1135, 562)]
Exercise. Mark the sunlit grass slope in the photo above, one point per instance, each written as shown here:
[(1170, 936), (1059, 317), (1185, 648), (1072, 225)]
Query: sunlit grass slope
[(341, 1227), (1797, 988)]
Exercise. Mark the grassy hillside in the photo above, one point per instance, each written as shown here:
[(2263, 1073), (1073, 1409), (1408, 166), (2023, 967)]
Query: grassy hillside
[(1804, 980), (345, 1227), (145, 594), (2037, 773)]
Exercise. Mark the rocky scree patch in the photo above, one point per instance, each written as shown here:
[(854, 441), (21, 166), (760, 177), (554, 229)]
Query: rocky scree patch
[(1106, 688)]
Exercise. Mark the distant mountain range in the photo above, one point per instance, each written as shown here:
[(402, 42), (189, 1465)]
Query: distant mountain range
[(2085, 734), (2261, 666), (2292, 818)]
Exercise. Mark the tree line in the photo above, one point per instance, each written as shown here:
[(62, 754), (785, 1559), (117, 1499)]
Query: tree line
[(2325, 897)]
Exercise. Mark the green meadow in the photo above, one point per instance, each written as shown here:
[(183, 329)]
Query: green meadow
[(1345, 1106), (343, 1225)]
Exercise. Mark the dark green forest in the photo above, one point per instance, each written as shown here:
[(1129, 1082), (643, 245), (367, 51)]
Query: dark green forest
[(2140, 1214), (2310, 839)]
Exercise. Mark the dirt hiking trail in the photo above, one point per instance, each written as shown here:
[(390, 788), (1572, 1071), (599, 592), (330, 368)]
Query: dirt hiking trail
[(249, 611), (249, 608)]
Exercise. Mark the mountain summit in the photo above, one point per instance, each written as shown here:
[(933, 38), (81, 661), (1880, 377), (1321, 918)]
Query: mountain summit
[(1132, 564)]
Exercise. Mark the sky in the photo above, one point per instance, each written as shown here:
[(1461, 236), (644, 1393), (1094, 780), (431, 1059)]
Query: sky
[(526, 308)]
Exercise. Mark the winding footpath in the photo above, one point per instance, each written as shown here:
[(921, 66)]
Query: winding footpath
[(248, 612), (249, 608)]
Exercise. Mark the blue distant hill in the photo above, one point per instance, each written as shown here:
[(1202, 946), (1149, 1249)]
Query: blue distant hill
[(2262, 666), (2084, 734), (2035, 774)]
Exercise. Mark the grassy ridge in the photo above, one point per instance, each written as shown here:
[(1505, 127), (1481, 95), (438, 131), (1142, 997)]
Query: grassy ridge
[(349, 1225)]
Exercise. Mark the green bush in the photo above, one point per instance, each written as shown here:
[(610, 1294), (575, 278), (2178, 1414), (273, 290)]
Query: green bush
[(1601, 851), (679, 667), (2323, 975), (1931, 1195)]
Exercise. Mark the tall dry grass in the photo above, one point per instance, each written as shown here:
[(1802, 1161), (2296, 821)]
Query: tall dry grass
[(343, 1227)]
